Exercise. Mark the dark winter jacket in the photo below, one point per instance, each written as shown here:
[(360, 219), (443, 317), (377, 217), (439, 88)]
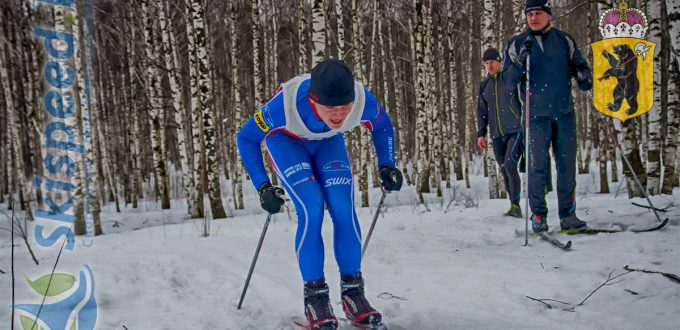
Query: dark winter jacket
[(555, 58), (498, 107)]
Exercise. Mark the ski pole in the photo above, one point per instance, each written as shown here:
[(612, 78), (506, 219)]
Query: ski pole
[(630, 167), (252, 265), (257, 253), (375, 219), (526, 164)]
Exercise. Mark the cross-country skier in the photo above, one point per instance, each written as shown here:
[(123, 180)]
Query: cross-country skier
[(302, 128), (499, 109), (555, 59)]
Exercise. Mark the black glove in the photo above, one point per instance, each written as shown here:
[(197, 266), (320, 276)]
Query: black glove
[(584, 79), (270, 198), (525, 51), (391, 178)]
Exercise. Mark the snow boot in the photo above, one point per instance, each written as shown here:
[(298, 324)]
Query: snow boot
[(572, 222), (515, 211), (318, 308), (354, 302), (539, 224)]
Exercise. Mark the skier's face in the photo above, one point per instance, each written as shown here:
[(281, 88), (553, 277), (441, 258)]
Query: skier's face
[(492, 66), (537, 19), (333, 116)]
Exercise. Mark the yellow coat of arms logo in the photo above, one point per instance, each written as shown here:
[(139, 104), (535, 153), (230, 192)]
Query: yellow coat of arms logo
[(623, 64)]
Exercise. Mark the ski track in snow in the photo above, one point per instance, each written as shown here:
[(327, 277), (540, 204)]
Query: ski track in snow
[(465, 268)]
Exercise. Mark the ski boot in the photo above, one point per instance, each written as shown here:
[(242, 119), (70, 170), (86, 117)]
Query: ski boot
[(515, 211), (318, 308), (572, 222), (539, 224), (357, 309)]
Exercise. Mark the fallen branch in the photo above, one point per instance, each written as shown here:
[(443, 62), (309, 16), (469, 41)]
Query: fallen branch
[(386, 295), (549, 306), (572, 307), (609, 279), (665, 209), (672, 277)]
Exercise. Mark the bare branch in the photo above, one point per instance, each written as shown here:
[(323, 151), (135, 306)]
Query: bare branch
[(609, 279)]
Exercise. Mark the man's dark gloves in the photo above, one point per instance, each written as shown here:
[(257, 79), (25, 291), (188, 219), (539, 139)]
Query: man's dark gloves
[(584, 78), (391, 178), (270, 198), (525, 51)]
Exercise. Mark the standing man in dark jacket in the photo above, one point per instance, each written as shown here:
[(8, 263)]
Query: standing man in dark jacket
[(555, 59), (499, 109)]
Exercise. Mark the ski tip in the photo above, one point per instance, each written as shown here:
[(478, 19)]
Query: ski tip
[(568, 245), (299, 323)]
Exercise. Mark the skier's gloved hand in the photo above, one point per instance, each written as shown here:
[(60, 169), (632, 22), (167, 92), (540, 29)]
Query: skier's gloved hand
[(525, 51), (391, 178), (270, 198), (584, 79)]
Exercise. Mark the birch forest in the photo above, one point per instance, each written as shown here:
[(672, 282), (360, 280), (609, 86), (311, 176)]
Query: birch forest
[(173, 81)]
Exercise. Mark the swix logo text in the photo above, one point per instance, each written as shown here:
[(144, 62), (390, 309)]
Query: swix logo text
[(338, 181)]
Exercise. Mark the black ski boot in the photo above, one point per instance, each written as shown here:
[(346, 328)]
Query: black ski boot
[(354, 302), (318, 309), (539, 224), (572, 222)]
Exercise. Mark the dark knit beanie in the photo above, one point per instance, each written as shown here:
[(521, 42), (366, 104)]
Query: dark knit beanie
[(332, 83), (491, 54), (543, 5)]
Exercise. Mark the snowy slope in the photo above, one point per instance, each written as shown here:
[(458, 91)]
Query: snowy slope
[(461, 269)]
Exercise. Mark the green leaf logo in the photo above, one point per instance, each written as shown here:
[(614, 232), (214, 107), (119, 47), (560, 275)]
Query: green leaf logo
[(69, 19), (60, 284), (28, 323)]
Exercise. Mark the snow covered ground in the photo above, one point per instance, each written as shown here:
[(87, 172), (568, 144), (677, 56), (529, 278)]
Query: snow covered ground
[(461, 268)]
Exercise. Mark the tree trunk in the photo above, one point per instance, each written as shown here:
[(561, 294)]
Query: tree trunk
[(14, 125), (318, 32), (602, 153), (156, 111), (654, 116), (173, 66), (303, 25), (669, 94), (423, 34), (632, 151), (237, 104), (206, 107)]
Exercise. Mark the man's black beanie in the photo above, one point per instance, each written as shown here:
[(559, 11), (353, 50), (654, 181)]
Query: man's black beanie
[(332, 83), (543, 5)]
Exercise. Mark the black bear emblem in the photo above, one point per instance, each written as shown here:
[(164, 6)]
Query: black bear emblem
[(624, 69)]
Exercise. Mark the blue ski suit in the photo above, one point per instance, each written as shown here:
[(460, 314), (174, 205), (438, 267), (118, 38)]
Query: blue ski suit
[(499, 109), (555, 59), (312, 163)]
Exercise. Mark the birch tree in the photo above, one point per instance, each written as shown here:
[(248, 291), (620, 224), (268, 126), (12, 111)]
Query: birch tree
[(672, 136), (14, 126), (654, 115), (237, 103), (303, 25), (172, 66), (423, 34), (258, 84), (209, 131), (318, 32), (156, 111)]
